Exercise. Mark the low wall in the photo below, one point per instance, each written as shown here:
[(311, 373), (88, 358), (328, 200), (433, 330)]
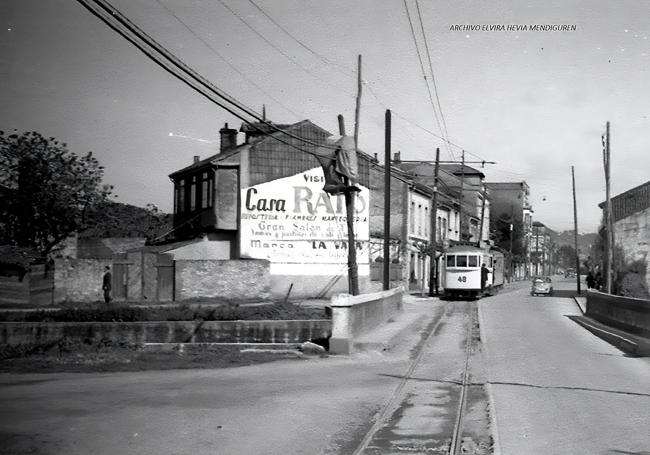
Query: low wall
[(44, 333), (354, 315), (245, 279), (79, 280), (625, 313)]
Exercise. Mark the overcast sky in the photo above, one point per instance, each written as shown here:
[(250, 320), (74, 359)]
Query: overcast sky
[(535, 102)]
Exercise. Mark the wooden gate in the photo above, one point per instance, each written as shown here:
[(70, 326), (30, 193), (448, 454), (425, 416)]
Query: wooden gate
[(165, 278), (120, 281)]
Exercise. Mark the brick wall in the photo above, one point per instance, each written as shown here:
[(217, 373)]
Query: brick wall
[(79, 280), (236, 280)]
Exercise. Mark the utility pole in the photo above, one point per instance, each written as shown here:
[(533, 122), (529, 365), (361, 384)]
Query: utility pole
[(609, 221), (512, 233), (433, 266), (480, 231), (353, 277), (536, 250), (386, 270), (575, 227), (462, 178)]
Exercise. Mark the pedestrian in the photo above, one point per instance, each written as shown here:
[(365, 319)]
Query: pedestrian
[(484, 276), (590, 279), (598, 280), (107, 282)]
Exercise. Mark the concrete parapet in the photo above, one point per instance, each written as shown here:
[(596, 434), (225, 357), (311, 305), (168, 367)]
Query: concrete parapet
[(625, 313), (354, 315)]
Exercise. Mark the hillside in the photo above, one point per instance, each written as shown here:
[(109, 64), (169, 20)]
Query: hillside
[(585, 241), (115, 219)]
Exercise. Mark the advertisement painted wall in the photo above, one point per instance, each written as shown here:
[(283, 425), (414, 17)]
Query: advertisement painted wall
[(294, 224)]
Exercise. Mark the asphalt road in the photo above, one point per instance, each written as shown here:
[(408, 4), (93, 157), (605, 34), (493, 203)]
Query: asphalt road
[(313, 406), (556, 388)]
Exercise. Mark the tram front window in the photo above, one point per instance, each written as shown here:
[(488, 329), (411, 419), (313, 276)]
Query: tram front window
[(461, 261), (473, 261), (451, 261)]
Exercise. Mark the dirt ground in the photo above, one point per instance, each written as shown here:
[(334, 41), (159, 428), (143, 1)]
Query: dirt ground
[(92, 358)]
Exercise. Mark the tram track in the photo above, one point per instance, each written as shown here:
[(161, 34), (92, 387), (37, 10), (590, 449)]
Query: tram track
[(427, 412)]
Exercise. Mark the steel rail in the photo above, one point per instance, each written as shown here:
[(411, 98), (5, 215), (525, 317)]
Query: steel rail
[(397, 393), (456, 440)]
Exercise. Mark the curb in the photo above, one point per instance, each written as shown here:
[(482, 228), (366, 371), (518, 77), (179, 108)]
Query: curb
[(627, 343), (492, 415)]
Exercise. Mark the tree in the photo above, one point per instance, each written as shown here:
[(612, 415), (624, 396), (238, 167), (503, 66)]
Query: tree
[(566, 256), (47, 191)]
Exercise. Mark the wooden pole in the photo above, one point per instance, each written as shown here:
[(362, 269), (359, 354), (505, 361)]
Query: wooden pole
[(387, 151), (433, 265), (462, 178), (353, 279), (575, 228), (609, 221)]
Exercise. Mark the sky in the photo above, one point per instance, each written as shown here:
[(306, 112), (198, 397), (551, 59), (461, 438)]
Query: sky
[(534, 102)]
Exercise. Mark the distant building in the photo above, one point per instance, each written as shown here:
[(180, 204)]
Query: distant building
[(631, 220), (511, 222)]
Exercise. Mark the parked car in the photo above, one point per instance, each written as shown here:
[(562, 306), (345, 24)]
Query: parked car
[(570, 273), (542, 285)]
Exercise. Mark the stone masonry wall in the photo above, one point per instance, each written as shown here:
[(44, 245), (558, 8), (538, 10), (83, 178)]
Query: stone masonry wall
[(79, 280), (230, 279), (632, 234)]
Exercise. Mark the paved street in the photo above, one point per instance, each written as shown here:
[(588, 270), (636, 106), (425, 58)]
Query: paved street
[(557, 388), (554, 388)]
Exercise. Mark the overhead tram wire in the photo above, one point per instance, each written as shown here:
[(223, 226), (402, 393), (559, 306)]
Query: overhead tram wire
[(348, 71), (433, 76), (109, 14), (424, 75), (267, 41), (225, 60)]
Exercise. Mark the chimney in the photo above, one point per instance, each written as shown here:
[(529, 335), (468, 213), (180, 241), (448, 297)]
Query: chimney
[(228, 138), (196, 158), (397, 157)]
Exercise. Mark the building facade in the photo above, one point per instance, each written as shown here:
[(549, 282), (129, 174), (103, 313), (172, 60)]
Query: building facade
[(511, 224), (631, 222)]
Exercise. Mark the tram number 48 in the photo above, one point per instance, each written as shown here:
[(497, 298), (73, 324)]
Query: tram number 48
[(462, 279)]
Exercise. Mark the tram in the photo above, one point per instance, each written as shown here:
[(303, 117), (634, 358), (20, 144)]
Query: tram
[(461, 277)]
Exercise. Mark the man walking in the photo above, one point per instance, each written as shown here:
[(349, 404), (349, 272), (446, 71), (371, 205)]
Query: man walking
[(484, 276), (107, 284)]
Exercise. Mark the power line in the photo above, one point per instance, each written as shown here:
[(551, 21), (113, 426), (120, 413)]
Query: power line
[(218, 54), (109, 14), (417, 51), (267, 41), (433, 77), (349, 72)]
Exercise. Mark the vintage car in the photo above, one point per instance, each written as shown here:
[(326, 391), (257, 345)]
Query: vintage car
[(542, 285)]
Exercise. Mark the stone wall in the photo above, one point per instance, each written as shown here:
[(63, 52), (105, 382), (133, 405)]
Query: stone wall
[(233, 279), (632, 234), (44, 333), (79, 280), (625, 313)]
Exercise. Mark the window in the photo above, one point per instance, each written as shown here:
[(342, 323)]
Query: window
[(439, 229), (206, 190), (461, 261), (419, 219), (444, 228), (193, 194), (426, 221), (412, 218), (180, 196), (473, 261), (451, 261)]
